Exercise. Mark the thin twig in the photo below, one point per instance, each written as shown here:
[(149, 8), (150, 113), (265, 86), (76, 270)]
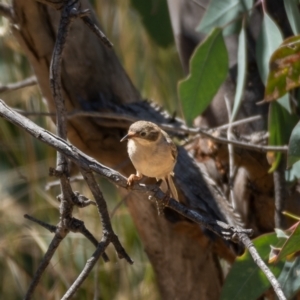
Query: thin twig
[(258, 148), (238, 122), (122, 201), (87, 21), (103, 212), (58, 237), (260, 263), (87, 269), (18, 85), (54, 183), (171, 129), (50, 227)]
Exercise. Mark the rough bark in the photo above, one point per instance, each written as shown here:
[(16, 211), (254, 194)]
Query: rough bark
[(93, 80)]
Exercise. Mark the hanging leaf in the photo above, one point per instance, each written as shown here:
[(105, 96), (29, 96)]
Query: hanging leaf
[(294, 146), (292, 12), (280, 126), (156, 19), (284, 69), (289, 278), (245, 280), (268, 41), (220, 13), (208, 70), (241, 75), (291, 245)]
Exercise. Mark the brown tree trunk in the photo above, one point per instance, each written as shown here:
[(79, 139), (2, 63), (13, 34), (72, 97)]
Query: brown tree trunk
[(93, 80)]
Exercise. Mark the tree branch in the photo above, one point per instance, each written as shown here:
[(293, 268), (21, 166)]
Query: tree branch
[(18, 85), (127, 120), (260, 263), (87, 163)]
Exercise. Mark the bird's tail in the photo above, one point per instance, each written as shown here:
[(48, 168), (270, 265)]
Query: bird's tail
[(172, 187)]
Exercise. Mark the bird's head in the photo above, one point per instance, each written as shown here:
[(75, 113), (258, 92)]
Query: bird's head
[(143, 132)]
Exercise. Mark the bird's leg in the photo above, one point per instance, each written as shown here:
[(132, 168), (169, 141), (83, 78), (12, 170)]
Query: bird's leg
[(134, 177), (165, 201)]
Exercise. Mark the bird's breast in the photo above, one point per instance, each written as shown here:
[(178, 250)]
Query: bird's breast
[(154, 160)]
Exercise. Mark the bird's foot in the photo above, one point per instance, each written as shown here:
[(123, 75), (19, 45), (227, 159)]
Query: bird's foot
[(133, 178)]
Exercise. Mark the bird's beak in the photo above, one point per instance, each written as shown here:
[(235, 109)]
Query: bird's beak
[(128, 136)]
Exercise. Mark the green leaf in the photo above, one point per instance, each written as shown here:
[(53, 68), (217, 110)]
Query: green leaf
[(245, 280), (281, 123), (289, 278), (292, 244), (208, 70), (268, 41), (284, 69), (281, 234), (292, 12), (293, 173), (241, 76), (156, 19), (220, 13), (294, 146)]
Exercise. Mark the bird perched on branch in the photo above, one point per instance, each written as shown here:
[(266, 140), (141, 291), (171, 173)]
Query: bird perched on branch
[(152, 153)]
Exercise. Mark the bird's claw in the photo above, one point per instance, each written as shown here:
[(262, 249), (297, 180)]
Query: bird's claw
[(133, 178)]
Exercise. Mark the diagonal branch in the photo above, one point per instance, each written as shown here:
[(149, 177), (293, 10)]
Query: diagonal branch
[(87, 163), (87, 269), (103, 211)]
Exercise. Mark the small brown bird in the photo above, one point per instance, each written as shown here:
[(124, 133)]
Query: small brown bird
[(152, 153)]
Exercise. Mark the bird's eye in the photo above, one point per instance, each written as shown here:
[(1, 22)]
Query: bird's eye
[(143, 134)]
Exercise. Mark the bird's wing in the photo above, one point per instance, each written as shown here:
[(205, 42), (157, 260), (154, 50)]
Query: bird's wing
[(171, 143)]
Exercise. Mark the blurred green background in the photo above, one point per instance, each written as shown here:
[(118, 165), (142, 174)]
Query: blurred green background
[(24, 164)]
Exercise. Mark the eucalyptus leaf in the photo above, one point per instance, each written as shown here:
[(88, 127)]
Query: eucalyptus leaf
[(289, 278), (280, 126), (293, 173), (220, 13), (268, 41), (241, 75), (292, 243), (284, 69), (292, 12), (156, 19), (294, 146), (208, 70)]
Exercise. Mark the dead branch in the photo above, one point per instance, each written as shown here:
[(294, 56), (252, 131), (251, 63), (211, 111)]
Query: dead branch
[(87, 164)]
